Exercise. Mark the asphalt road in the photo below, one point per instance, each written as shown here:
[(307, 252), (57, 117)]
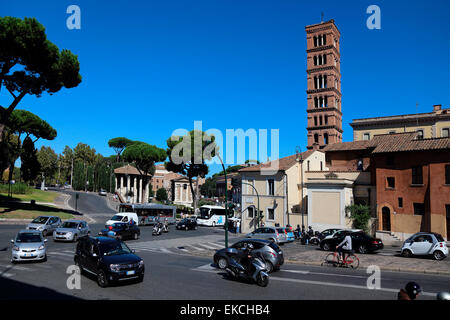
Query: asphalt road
[(175, 272)]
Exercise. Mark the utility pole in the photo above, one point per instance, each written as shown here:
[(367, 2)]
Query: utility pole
[(71, 175), (226, 202)]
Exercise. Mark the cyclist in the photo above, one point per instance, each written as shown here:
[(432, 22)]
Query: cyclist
[(345, 247), (411, 291)]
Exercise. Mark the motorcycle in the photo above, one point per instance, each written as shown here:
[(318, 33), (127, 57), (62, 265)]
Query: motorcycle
[(165, 228), (156, 230), (258, 274), (315, 240)]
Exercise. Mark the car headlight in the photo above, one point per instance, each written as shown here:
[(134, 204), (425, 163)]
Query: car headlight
[(16, 248), (141, 263), (41, 247), (69, 234), (114, 267), (183, 225), (40, 228)]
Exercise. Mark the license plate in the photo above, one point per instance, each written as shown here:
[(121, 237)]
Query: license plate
[(129, 273)]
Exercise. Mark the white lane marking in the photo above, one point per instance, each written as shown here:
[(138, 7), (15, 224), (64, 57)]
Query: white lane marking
[(211, 269), (206, 246), (166, 250), (7, 275), (217, 245), (296, 271), (197, 248), (15, 267)]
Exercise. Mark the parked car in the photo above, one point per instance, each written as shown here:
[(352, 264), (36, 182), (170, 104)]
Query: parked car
[(123, 231), (361, 242), (28, 245), (108, 259), (45, 224), (425, 244), (270, 251), (71, 230), (328, 233), (268, 233), (102, 192), (187, 224), (289, 234)]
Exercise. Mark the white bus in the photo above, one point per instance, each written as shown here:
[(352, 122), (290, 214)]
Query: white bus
[(212, 216)]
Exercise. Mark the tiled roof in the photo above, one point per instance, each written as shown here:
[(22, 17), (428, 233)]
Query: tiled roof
[(127, 170), (402, 142), (347, 146), (283, 163)]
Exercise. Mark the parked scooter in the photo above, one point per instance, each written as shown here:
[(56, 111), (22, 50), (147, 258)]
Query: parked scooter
[(255, 271), (315, 240)]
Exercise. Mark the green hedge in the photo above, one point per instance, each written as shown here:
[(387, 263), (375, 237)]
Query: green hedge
[(17, 188)]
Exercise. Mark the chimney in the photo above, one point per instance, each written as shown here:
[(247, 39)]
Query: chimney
[(437, 107)]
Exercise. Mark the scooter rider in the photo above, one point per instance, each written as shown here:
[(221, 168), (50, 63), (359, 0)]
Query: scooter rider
[(411, 291)]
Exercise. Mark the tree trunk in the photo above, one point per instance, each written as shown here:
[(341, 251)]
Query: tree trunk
[(194, 198)]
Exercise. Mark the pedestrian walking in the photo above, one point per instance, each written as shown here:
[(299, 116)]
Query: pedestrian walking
[(238, 225)]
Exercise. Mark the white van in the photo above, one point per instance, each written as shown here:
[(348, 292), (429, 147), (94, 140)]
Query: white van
[(123, 217)]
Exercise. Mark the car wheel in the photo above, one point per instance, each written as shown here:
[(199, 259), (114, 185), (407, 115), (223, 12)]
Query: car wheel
[(326, 247), (136, 236), (101, 279), (44, 233), (140, 279), (187, 228), (195, 228), (45, 259), (362, 249), (269, 266), (438, 255), (214, 224), (222, 263), (75, 238), (406, 253)]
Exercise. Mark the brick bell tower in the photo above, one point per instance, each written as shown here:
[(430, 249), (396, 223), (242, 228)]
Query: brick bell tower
[(324, 85)]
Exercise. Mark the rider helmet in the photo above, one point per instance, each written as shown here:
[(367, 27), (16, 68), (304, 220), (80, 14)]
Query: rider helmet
[(413, 289), (443, 295)]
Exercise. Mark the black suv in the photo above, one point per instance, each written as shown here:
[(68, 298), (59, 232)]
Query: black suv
[(187, 224), (123, 231), (108, 259)]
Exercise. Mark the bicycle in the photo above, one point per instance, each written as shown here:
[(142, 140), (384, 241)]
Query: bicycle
[(333, 259)]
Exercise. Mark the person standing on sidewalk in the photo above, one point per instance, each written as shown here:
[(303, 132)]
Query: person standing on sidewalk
[(238, 226)]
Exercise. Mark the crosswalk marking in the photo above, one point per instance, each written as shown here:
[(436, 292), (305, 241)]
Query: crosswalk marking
[(206, 246)]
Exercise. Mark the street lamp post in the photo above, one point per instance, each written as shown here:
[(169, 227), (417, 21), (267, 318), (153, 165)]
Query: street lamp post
[(299, 158), (257, 196), (226, 201)]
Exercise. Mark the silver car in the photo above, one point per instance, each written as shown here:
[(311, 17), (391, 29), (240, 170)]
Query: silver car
[(45, 224), (71, 230), (28, 245), (268, 233)]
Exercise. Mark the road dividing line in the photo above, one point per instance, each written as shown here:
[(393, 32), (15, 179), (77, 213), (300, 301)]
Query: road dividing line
[(165, 250)]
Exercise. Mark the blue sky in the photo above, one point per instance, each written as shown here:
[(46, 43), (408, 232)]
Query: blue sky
[(150, 67)]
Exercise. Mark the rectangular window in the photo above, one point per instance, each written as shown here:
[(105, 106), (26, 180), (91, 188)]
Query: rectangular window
[(400, 202), (445, 132), (419, 134), (250, 212), (271, 214), (447, 174), (417, 177), (271, 184), (391, 132), (447, 211), (366, 136), (419, 209), (390, 182)]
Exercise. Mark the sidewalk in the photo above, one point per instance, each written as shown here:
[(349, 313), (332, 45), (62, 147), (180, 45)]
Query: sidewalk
[(387, 263)]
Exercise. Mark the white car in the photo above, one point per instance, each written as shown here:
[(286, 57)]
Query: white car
[(123, 217), (28, 245), (425, 244)]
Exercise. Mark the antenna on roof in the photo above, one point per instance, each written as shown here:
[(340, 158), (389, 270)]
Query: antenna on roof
[(321, 17), (417, 113)]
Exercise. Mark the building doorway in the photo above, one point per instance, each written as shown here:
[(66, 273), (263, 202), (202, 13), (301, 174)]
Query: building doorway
[(386, 216)]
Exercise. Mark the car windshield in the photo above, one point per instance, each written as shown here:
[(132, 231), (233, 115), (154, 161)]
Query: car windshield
[(70, 225), (40, 220), (111, 248), (27, 237), (184, 221), (117, 218)]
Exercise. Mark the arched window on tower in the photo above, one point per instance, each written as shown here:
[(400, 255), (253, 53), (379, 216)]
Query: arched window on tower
[(325, 138), (315, 60), (316, 138), (315, 41), (315, 120), (321, 102), (324, 39), (324, 59), (320, 120), (325, 81), (326, 101), (316, 102)]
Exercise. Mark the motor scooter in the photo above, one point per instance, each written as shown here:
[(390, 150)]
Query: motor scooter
[(156, 230), (256, 270)]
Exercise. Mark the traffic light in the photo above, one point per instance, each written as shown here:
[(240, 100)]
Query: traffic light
[(230, 209)]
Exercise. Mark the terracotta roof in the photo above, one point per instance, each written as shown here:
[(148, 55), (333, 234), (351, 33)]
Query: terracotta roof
[(402, 142), (283, 163), (347, 146)]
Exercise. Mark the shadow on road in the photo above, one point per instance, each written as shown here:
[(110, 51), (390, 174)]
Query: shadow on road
[(15, 290), (13, 206)]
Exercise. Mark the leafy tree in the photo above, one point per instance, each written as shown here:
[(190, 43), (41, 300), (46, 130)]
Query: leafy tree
[(30, 165), (187, 156), (48, 161), (161, 194), (208, 189), (144, 156), (360, 216), (31, 64), (119, 144)]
